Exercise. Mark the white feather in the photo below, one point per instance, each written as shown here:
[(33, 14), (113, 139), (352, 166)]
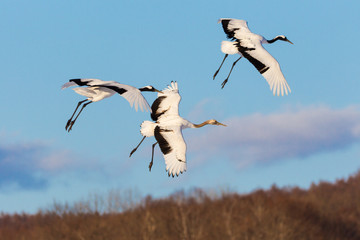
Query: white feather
[(87, 92), (237, 25), (229, 48), (147, 128), (273, 75), (175, 161), (68, 84), (170, 104)]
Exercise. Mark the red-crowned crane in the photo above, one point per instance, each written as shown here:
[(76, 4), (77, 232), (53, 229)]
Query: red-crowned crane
[(96, 90), (167, 130), (249, 45)]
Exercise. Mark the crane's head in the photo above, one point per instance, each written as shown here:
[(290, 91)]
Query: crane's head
[(214, 122), (283, 38), (149, 89), (210, 122)]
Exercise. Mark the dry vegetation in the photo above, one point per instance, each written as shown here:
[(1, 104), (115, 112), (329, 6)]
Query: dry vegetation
[(325, 211)]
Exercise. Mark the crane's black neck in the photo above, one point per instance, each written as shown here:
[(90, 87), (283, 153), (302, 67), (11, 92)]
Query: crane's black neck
[(275, 39)]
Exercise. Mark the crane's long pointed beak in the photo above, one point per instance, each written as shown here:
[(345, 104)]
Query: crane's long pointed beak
[(222, 124), (158, 91), (289, 41)]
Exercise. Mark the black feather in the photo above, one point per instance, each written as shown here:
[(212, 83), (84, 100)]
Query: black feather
[(115, 88), (262, 68), (80, 82), (164, 145), (229, 33), (155, 108)]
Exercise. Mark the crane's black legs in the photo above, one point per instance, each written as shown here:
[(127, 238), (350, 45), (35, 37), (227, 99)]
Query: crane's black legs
[(224, 82), (152, 156), (152, 153), (217, 71), (137, 146), (71, 122)]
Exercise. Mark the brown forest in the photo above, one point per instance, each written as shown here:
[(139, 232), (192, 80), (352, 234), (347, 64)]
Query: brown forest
[(324, 211)]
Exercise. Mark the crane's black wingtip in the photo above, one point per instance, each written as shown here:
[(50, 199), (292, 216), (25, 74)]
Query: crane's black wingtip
[(77, 81), (74, 79)]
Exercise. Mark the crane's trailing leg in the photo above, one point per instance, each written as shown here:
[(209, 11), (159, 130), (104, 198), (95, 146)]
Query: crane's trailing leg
[(224, 82), (217, 71), (72, 122), (69, 121), (152, 156), (137, 146)]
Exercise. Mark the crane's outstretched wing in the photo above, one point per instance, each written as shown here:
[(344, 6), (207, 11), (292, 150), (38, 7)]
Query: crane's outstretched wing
[(173, 147), (83, 82), (265, 64), (234, 27), (130, 93), (167, 103)]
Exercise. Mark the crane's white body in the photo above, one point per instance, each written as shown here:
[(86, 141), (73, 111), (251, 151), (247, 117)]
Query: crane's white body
[(94, 94), (170, 126), (167, 129), (249, 45), (96, 90)]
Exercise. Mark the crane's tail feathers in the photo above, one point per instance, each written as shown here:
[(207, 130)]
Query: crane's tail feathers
[(68, 84), (228, 47), (147, 128)]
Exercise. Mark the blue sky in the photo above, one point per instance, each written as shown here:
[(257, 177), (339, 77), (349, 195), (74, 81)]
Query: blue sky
[(313, 134)]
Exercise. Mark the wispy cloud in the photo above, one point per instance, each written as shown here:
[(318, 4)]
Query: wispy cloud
[(18, 166), (297, 133), (31, 164)]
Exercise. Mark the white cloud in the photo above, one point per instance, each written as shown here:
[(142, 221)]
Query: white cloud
[(294, 133), (56, 161), (30, 164)]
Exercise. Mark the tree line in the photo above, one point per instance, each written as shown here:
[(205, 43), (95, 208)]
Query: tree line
[(325, 211)]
